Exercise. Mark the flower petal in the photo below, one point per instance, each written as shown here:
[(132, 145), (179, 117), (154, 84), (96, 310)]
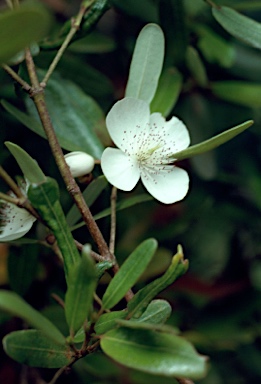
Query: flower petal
[(16, 222), (126, 118), (166, 186), (121, 170), (173, 132)]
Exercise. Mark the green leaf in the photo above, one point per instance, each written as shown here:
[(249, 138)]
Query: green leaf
[(174, 24), (82, 280), (28, 165), (199, 118), (21, 27), (93, 82), (96, 42), (90, 194), (75, 116), (146, 63), (153, 352), (28, 121), (144, 10), (157, 312), (91, 17), (20, 56), (107, 321), (143, 297), (129, 272), (32, 348), (169, 87), (91, 366), (127, 203), (22, 267), (133, 324), (239, 92), (248, 5), (13, 304), (79, 337), (212, 143), (239, 26), (214, 48), (102, 267), (196, 66), (76, 143), (45, 199)]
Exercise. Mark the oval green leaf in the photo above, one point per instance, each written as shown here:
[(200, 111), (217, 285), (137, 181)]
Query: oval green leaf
[(212, 143), (21, 27), (107, 321), (146, 64), (129, 272), (45, 199), (96, 42), (144, 296), (32, 348), (126, 203), (168, 90), (90, 194), (196, 66), (215, 48), (28, 165), (157, 312), (82, 280), (22, 267), (239, 26), (239, 92), (13, 304), (75, 116), (153, 352), (96, 9)]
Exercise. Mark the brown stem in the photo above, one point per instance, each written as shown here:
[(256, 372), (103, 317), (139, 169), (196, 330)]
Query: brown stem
[(10, 182), (16, 77), (61, 371), (212, 4), (94, 255), (113, 219), (21, 200), (37, 94), (76, 22), (58, 299), (9, 199)]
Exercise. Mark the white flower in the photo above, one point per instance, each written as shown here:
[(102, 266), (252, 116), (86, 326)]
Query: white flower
[(80, 163), (145, 143), (15, 222)]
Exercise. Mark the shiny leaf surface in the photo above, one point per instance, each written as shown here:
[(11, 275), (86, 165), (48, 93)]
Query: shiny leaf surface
[(152, 352)]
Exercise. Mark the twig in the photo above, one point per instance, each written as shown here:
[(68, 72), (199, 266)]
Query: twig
[(16, 77), (21, 200), (10, 182), (61, 371), (9, 199), (94, 255), (76, 22), (212, 4), (21, 203), (113, 219), (58, 299), (37, 95)]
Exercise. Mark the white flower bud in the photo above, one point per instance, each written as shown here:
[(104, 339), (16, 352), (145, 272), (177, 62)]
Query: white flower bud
[(80, 163)]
